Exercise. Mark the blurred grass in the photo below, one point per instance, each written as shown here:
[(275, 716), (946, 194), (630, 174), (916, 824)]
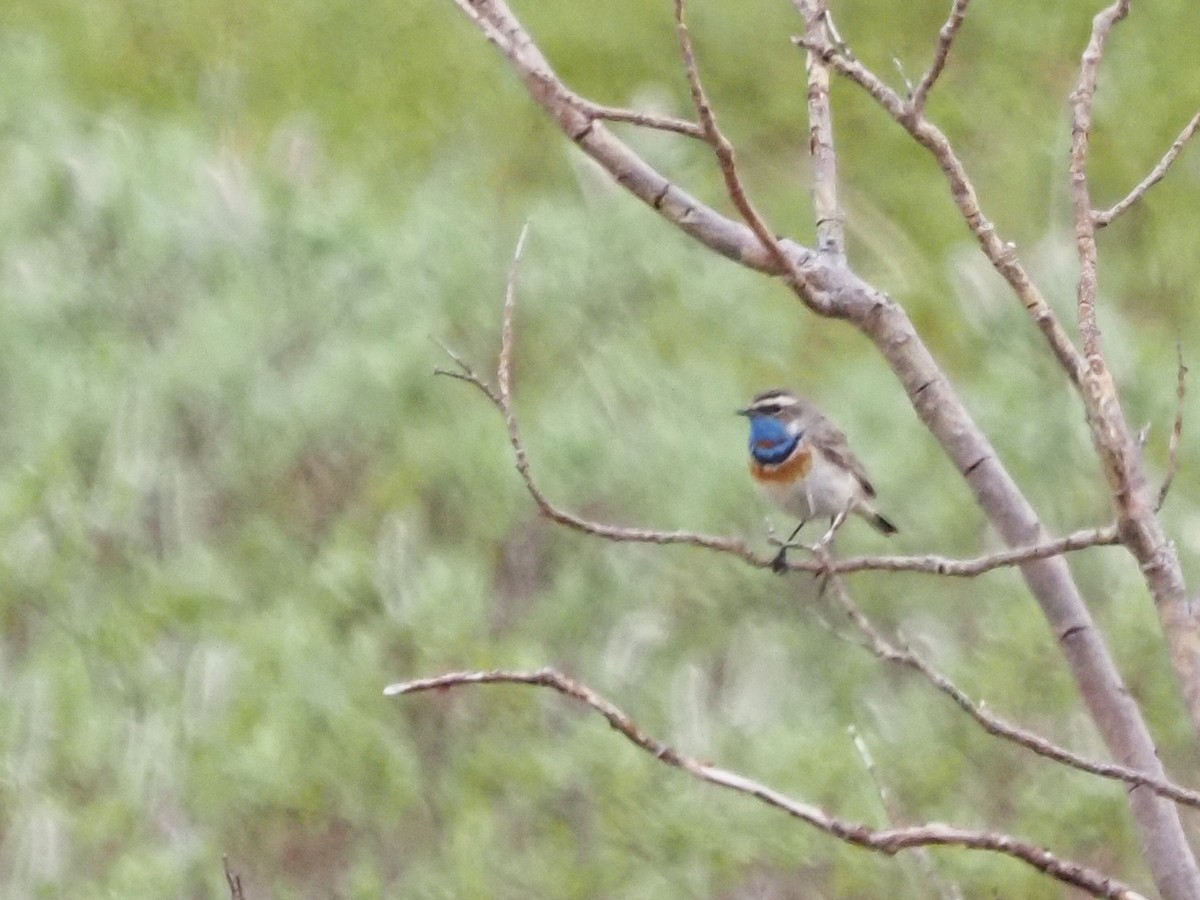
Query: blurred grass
[(234, 502)]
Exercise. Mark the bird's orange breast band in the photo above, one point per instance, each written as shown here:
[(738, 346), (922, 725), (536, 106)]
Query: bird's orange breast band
[(791, 469)]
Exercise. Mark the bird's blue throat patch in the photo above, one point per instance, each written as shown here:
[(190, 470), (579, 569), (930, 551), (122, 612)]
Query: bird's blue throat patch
[(770, 441)]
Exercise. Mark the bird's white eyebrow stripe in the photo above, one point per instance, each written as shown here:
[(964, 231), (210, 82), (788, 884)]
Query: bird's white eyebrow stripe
[(775, 400)]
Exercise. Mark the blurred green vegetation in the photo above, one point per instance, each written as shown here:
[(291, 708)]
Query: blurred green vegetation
[(234, 502)]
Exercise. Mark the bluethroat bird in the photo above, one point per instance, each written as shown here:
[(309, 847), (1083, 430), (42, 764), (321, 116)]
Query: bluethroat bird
[(805, 466)]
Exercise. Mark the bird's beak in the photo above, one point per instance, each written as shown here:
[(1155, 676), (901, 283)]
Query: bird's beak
[(742, 412)]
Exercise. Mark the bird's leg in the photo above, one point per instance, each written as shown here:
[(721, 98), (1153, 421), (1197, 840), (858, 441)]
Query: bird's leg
[(825, 573), (834, 524), (779, 563), (824, 545), (795, 531)]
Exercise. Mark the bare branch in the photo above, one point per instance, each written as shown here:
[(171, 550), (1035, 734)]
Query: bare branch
[(928, 564), (837, 291), (580, 121), (1082, 99), (831, 231), (964, 568), (1140, 530), (1176, 430), (494, 34), (1000, 253), (507, 45), (1120, 457), (946, 36), (1102, 219), (894, 819), (726, 160), (994, 725), (890, 841), (645, 120), (465, 373)]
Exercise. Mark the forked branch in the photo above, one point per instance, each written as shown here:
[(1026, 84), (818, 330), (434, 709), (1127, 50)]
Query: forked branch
[(905, 656), (1116, 446), (949, 31), (1082, 100), (726, 160), (834, 290), (1088, 371), (1000, 253), (500, 396)]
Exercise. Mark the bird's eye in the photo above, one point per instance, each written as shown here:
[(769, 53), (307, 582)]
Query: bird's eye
[(769, 410)]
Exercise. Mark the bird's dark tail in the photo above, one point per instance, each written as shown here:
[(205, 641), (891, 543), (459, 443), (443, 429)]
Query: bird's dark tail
[(880, 524)]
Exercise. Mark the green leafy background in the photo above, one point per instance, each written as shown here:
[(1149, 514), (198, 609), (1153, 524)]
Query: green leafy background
[(235, 503)]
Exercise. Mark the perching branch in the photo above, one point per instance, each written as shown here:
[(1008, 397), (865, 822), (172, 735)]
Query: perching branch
[(888, 841), (823, 564), (1141, 532), (836, 291), (928, 564)]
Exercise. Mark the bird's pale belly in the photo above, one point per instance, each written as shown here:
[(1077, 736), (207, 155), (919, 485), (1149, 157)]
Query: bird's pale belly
[(824, 490)]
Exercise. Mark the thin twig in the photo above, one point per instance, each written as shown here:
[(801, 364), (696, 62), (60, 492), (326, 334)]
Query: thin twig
[(1103, 218), (507, 43), (1121, 459), (895, 820), (1176, 430), (504, 369), (645, 120), (824, 565), (726, 160), (964, 568), (945, 41), (887, 841), (992, 724), (1000, 253), (831, 230), (929, 564), (885, 796), (1082, 101)]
